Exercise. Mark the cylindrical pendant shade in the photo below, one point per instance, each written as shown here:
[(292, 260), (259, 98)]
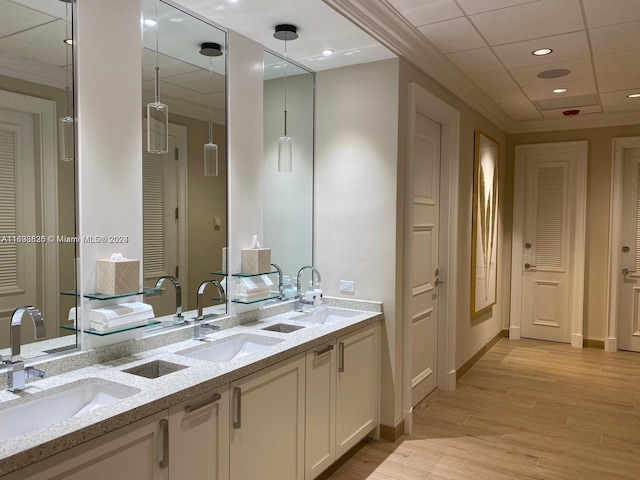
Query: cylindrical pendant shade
[(210, 160), (285, 154), (157, 128), (65, 139)]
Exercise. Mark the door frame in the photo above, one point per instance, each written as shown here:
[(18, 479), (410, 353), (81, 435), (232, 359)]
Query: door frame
[(619, 145), (424, 102), (46, 157), (576, 290)]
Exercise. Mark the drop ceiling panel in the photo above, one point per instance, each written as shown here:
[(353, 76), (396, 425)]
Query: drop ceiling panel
[(453, 35), (478, 60), (53, 9), (567, 102), (574, 88), (169, 90), (498, 80), (478, 6), (600, 13), (521, 110), (528, 21), (168, 66), (216, 99), (618, 101), (528, 76), (565, 47), (200, 81), (615, 38), (508, 95), (419, 12), (36, 43), (623, 81), (617, 63), (16, 18), (558, 113)]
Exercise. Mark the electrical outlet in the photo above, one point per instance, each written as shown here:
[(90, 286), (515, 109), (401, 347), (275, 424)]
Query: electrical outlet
[(348, 286)]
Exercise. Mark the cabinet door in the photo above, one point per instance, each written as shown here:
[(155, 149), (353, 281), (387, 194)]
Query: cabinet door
[(267, 423), (133, 452), (199, 437), (357, 390), (320, 415)]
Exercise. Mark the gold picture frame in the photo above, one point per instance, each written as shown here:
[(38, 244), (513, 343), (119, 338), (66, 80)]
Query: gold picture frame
[(484, 249)]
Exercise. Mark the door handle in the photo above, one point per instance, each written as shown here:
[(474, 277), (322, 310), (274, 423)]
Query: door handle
[(341, 357), (528, 265), (164, 425), (626, 271), (237, 417), (324, 350), (204, 403)]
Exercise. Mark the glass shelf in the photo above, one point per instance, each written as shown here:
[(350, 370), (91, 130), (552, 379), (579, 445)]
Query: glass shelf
[(222, 274), (97, 333), (104, 296), (245, 275), (272, 297)]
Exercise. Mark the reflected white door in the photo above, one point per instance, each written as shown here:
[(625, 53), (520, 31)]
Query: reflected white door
[(424, 256), (548, 261), (18, 273), (629, 255)]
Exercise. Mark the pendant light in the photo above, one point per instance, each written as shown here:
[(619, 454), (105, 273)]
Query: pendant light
[(157, 113), (285, 144), (65, 124), (210, 50)]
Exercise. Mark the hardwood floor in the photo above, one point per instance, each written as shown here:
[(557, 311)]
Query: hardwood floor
[(526, 410)]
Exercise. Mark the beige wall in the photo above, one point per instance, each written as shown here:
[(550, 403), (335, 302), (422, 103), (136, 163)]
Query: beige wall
[(206, 199), (598, 196), (471, 333), (355, 198), (66, 190)]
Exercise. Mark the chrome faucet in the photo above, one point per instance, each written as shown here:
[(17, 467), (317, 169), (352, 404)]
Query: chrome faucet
[(199, 327), (280, 281), (17, 373), (315, 277), (177, 318)]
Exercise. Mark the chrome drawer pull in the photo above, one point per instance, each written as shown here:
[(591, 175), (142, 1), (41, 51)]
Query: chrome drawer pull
[(324, 350), (204, 403)]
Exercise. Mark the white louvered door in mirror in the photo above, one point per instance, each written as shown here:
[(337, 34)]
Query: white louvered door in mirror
[(548, 242)]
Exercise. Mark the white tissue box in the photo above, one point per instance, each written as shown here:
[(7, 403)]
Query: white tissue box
[(117, 277), (256, 260)]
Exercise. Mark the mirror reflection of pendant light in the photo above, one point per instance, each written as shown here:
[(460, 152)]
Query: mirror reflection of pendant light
[(210, 50), (65, 124), (285, 144), (157, 113)]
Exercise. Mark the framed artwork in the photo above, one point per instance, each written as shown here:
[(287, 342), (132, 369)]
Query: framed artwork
[(484, 249)]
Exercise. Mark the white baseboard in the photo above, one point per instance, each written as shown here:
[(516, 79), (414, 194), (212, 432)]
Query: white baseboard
[(610, 344), (514, 333), (577, 340)]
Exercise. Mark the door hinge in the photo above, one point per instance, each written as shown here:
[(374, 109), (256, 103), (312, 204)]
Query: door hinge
[(177, 272), (176, 213), (176, 154)]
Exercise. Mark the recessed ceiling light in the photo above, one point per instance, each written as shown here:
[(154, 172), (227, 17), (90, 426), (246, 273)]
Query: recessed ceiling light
[(327, 52), (68, 41), (150, 22), (559, 90), (541, 51), (634, 95)]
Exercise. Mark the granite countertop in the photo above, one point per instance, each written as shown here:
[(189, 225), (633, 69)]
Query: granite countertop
[(166, 391)]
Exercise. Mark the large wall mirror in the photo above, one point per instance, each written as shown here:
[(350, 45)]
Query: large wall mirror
[(288, 196), (185, 196), (37, 171)]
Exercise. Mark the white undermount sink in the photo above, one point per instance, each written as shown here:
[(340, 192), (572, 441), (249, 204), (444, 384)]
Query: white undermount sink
[(325, 316), (232, 348), (42, 409)]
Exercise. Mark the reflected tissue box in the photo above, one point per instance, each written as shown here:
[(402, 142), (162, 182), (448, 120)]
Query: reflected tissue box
[(256, 260), (117, 276)]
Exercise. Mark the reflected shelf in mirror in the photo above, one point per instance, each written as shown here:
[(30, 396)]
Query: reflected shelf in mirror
[(97, 333), (243, 302), (104, 296)]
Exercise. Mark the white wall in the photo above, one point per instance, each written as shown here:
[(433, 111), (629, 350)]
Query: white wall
[(355, 198), (109, 131)]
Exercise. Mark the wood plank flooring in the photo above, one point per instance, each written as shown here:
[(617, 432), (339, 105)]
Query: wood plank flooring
[(526, 410)]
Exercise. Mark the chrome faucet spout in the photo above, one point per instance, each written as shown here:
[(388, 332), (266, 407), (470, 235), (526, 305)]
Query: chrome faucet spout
[(178, 318), (17, 373), (280, 281), (315, 274), (198, 332)]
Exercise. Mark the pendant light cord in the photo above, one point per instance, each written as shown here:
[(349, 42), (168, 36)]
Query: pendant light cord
[(66, 88), (285, 85), (211, 101), (157, 75)]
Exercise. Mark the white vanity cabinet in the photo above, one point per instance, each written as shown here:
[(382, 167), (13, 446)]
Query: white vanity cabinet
[(133, 452), (199, 437), (357, 386), (267, 423), (320, 421)]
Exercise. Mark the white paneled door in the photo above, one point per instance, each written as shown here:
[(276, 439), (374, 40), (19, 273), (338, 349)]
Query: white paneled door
[(629, 255), (423, 262), (548, 242)]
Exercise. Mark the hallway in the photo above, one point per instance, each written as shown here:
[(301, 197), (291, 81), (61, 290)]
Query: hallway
[(526, 410)]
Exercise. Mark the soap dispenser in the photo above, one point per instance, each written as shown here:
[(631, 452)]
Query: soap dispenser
[(318, 293), (289, 291), (310, 295)]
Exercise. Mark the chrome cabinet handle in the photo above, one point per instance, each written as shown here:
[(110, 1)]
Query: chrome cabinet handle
[(204, 403), (324, 350), (626, 271), (164, 425), (237, 421), (341, 357)]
